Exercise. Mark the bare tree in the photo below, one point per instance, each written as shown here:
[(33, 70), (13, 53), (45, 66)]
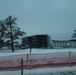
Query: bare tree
[(74, 34), (2, 33), (13, 31)]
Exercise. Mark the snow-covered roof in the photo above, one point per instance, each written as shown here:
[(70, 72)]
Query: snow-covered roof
[(64, 40), (73, 39), (60, 40)]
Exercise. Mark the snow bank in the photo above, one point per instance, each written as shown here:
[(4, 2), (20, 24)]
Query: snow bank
[(34, 51), (47, 71)]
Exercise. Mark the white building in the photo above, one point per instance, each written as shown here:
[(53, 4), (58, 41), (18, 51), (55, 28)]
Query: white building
[(64, 43)]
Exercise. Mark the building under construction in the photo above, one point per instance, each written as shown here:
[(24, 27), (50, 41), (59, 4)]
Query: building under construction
[(36, 41)]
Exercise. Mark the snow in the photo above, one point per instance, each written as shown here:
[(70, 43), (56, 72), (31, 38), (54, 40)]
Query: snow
[(34, 51), (41, 71), (47, 71)]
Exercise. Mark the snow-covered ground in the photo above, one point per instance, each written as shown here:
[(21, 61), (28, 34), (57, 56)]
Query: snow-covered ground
[(34, 51), (46, 71)]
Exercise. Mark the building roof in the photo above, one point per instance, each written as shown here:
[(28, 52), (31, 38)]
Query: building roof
[(60, 40), (72, 39)]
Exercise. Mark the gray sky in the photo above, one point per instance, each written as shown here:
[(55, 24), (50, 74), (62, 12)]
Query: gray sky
[(54, 17)]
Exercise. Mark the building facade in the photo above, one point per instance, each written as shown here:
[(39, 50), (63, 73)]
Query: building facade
[(64, 43), (37, 41), (26, 42)]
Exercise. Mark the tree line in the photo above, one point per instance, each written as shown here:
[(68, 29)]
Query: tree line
[(9, 31)]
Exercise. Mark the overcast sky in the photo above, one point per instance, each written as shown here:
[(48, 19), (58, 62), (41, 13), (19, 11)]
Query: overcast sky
[(54, 17)]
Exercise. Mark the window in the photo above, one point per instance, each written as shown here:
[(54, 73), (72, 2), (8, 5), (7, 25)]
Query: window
[(54, 45), (57, 42), (57, 45), (60, 45), (54, 42)]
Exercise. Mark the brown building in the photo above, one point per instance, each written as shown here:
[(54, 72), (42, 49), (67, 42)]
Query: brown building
[(39, 41), (26, 41), (36, 41)]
